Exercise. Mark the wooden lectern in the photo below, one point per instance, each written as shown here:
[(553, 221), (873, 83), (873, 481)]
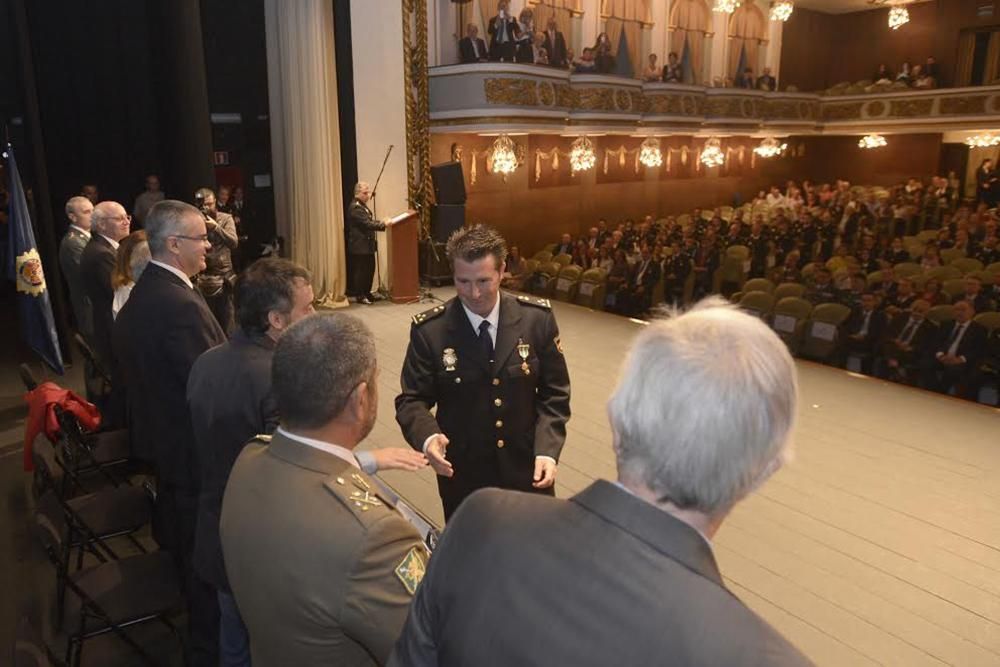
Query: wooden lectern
[(404, 285)]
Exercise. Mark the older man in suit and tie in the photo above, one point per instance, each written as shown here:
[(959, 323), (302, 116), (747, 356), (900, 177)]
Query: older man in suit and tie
[(623, 573), (955, 359), (471, 48), (555, 44), (110, 224), (907, 342), (79, 211), (163, 328)]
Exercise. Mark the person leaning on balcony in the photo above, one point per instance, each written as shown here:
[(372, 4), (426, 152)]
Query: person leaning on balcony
[(767, 82), (503, 30), (672, 70), (555, 45)]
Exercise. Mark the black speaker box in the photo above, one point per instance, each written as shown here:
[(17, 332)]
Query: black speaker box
[(449, 184), (434, 268), (445, 220)]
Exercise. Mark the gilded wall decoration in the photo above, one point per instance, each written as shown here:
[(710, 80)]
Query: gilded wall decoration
[(638, 101), (663, 104), (596, 99), (845, 111), (566, 96), (623, 101), (911, 108), (875, 109), (724, 107), (511, 92), (546, 94), (962, 106)]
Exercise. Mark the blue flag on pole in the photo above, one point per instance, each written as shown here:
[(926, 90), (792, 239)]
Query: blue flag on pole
[(25, 268)]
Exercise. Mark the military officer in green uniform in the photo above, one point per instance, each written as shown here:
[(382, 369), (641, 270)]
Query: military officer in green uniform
[(322, 566), (493, 366)]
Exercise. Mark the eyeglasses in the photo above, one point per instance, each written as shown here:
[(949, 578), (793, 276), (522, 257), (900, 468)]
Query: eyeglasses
[(203, 237), (120, 218)]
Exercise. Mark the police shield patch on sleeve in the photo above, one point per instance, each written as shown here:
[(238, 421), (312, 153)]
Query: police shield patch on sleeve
[(411, 570)]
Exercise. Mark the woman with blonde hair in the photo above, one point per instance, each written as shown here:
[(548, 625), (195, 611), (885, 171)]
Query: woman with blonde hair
[(132, 259)]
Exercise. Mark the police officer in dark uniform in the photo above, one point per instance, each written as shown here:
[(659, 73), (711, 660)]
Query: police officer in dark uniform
[(493, 365), (361, 245)]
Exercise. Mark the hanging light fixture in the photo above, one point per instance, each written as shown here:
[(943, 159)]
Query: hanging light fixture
[(726, 6), (504, 155), (650, 153), (898, 16), (711, 154), (872, 141), (769, 148), (781, 10), (581, 155), (986, 140)]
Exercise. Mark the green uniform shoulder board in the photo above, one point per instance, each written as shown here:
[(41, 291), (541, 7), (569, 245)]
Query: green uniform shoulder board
[(535, 301), (420, 318), (359, 496)]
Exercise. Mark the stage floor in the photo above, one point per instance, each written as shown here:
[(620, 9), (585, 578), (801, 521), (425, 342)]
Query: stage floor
[(879, 544)]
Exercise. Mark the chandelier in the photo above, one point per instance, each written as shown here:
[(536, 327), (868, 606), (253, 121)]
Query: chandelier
[(983, 140), (504, 156), (726, 6), (581, 155), (711, 154), (898, 16), (770, 147), (872, 141), (649, 152), (781, 10)]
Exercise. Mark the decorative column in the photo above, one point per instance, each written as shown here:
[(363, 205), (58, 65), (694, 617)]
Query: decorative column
[(305, 140), (590, 24), (716, 62), (773, 59)]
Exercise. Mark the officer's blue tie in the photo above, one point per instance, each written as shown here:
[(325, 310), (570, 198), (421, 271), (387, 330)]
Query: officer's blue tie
[(486, 343)]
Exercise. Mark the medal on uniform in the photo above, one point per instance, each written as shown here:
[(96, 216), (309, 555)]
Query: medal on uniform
[(524, 350), (449, 358)]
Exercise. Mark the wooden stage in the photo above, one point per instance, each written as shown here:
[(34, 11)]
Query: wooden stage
[(879, 544)]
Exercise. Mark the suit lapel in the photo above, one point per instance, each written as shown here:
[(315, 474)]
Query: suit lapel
[(508, 329)]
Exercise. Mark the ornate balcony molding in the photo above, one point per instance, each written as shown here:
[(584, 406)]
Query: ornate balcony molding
[(498, 96)]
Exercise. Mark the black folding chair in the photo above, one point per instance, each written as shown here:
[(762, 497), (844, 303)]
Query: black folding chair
[(105, 453), (112, 596), (90, 358), (27, 377)]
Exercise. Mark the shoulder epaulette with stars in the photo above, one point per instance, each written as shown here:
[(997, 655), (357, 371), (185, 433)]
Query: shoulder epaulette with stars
[(535, 301), (420, 318)]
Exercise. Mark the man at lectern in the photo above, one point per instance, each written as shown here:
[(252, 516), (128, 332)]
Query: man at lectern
[(361, 244)]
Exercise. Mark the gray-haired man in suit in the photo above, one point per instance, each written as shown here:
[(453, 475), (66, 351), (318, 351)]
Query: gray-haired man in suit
[(623, 573)]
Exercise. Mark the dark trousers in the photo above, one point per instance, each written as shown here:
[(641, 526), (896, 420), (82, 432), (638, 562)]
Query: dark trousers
[(359, 278), (174, 528), (476, 471), (221, 305)]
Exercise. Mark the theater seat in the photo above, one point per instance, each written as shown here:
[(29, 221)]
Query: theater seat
[(759, 303), (592, 289), (758, 285), (822, 334), (788, 289), (967, 265), (941, 314), (789, 320), (567, 282)]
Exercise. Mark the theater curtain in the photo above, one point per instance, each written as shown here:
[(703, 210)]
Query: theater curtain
[(992, 71), (690, 22), (562, 11), (627, 16), (966, 54), (747, 34), (305, 140)]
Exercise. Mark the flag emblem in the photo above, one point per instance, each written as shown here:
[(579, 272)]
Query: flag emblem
[(30, 277)]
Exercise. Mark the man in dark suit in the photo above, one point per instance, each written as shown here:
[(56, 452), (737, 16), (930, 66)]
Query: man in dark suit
[(109, 224), (503, 32), (957, 354), (645, 274), (555, 45), (163, 328), (79, 211), (974, 294), (767, 82), (564, 247), (863, 331), (471, 48), (231, 402), (361, 244), (624, 574), (493, 365), (907, 342)]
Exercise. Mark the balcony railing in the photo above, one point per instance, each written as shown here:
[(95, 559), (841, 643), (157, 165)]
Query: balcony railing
[(497, 96)]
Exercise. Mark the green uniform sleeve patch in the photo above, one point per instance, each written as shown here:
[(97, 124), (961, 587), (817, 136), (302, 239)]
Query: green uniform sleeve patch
[(411, 571)]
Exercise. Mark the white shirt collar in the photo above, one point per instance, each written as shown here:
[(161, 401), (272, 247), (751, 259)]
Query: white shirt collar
[(84, 232), (174, 270), (328, 447), (493, 318), (114, 244)]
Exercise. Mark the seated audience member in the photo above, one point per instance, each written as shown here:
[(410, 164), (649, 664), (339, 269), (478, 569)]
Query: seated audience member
[(901, 299), (231, 402), (863, 331), (974, 294), (886, 285), (541, 56), (643, 544), (883, 75), (322, 567), (988, 252), (931, 258), (767, 82), (676, 269), (904, 74), (932, 293), (617, 281), (639, 293), (130, 262), (555, 45), (585, 64), (704, 263), (652, 72), (896, 253), (931, 69), (856, 289), (565, 246), (745, 79), (789, 271), (672, 70), (956, 355), (570, 59), (822, 290), (472, 48), (907, 342), (513, 277), (921, 79)]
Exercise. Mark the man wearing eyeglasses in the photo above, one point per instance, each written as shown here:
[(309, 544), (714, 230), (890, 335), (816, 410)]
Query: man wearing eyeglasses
[(109, 225), (163, 328)]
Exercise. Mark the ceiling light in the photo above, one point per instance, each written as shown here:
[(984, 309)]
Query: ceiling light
[(504, 157), (650, 153), (581, 155), (898, 16), (781, 10), (770, 148), (983, 140), (711, 154), (872, 141)]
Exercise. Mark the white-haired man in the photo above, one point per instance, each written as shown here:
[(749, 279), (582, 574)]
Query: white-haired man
[(623, 573), (110, 224)]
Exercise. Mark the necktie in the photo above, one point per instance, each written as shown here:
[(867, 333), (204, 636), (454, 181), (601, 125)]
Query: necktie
[(908, 331), (485, 342)]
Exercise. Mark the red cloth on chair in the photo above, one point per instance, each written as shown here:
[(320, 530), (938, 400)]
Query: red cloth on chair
[(42, 415)]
